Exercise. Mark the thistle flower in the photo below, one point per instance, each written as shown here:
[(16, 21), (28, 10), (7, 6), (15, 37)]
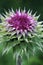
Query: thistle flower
[(22, 32), (21, 21)]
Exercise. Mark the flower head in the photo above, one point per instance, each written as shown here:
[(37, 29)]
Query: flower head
[(21, 21), (22, 26)]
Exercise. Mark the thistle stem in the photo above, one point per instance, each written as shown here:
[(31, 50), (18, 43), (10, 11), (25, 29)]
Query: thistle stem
[(18, 60)]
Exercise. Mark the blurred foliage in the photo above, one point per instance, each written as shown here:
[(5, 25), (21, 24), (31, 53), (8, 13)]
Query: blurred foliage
[(35, 5)]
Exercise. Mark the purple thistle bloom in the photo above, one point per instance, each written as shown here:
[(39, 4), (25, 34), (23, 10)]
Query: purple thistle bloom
[(21, 21)]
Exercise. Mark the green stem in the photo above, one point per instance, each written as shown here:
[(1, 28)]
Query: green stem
[(18, 60)]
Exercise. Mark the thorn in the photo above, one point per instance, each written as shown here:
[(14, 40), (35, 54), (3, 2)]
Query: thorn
[(24, 10), (35, 14), (31, 12), (12, 10), (26, 40), (36, 18), (28, 11), (39, 23), (23, 34), (25, 31), (19, 10), (2, 17), (7, 13), (25, 49), (17, 31)]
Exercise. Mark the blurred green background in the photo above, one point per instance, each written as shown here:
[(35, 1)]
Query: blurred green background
[(35, 5)]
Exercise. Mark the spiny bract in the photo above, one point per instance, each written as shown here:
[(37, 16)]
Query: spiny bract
[(21, 31)]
